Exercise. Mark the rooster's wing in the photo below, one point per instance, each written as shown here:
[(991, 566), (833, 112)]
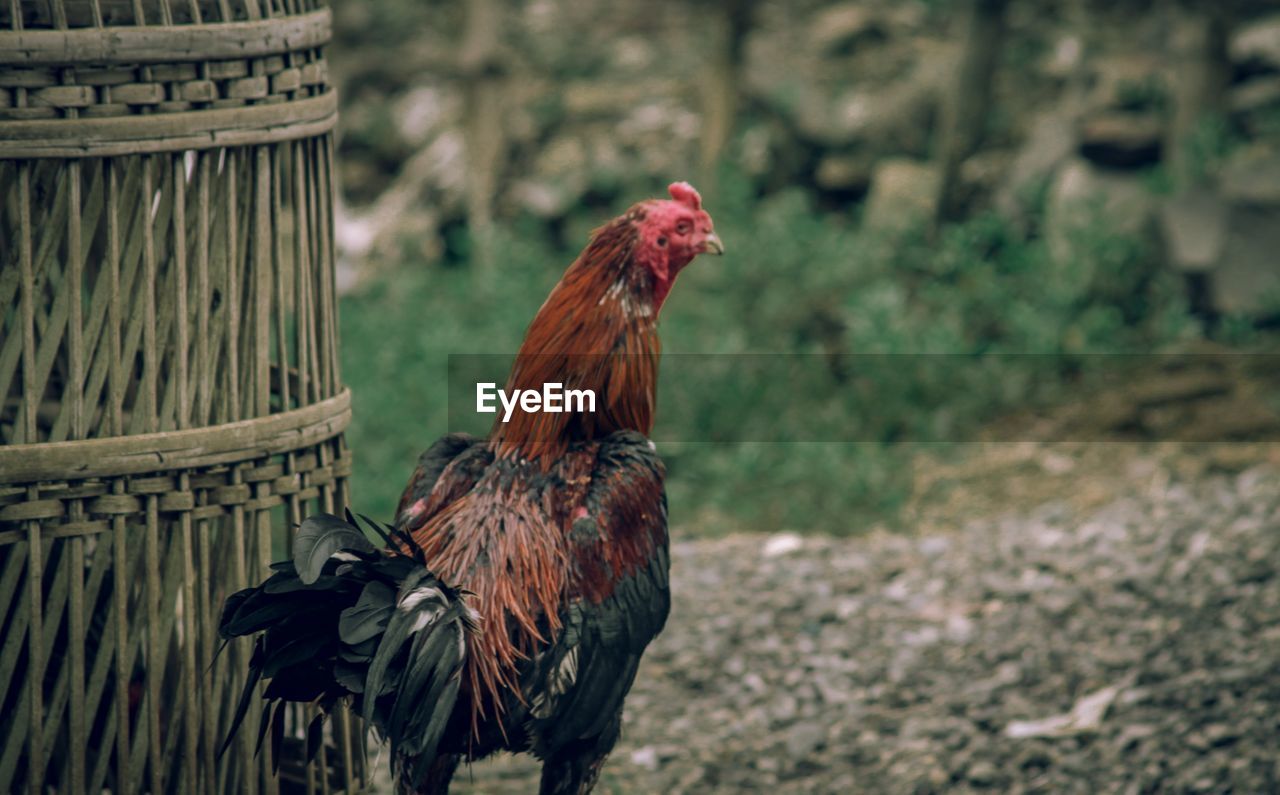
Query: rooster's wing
[(576, 687), (446, 470)]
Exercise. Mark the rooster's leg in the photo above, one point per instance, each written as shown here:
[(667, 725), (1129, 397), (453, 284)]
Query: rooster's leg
[(438, 776), (573, 769)]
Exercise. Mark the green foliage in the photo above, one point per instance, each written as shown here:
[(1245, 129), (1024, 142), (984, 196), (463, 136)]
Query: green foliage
[(1148, 94), (794, 281), (1209, 145)]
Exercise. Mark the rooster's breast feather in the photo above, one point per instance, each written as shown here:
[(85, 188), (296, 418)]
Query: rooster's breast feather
[(619, 603)]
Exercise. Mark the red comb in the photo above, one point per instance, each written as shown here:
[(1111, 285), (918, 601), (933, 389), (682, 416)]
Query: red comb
[(684, 193)]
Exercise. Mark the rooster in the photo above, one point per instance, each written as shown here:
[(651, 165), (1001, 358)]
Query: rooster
[(526, 572)]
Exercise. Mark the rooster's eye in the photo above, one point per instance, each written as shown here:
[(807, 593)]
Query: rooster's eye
[(683, 228)]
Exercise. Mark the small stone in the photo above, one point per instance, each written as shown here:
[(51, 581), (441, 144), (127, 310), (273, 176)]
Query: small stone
[(645, 757), (982, 774), (782, 544), (804, 739)]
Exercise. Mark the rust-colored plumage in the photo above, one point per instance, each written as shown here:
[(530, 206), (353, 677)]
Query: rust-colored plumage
[(504, 539), (593, 332)]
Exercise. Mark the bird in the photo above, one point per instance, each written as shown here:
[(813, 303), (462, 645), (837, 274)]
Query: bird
[(525, 572)]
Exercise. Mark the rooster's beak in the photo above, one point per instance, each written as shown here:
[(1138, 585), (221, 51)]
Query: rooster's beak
[(712, 245)]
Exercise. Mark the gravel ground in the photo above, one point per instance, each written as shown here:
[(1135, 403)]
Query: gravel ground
[(1129, 647)]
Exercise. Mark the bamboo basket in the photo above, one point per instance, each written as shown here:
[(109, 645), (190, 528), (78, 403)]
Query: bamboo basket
[(172, 402)]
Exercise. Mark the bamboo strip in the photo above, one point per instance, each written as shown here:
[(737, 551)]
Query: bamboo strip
[(312, 309), (35, 653), (191, 615), (244, 261), (311, 772), (322, 762), (326, 264), (262, 283), (150, 356), (224, 672), (115, 391), (181, 348), (278, 268), (342, 485), (210, 696), (124, 660), (301, 264), (262, 535), (154, 585), (348, 732), (317, 247), (77, 724), (233, 295), (249, 778), (205, 367), (75, 278), (30, 398)]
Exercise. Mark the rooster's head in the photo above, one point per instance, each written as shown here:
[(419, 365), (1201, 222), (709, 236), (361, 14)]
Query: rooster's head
[(671, 232)]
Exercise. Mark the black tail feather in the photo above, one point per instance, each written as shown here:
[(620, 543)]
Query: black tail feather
[(345, 620)]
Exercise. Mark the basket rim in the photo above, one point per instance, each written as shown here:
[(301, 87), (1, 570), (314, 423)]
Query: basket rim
[(165, 43), (186, 449), (167, 132)]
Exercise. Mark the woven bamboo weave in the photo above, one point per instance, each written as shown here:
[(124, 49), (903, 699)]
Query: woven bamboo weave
[(171, 397)]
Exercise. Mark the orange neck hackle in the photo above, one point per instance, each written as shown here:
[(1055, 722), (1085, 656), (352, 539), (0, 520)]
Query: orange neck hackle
[(597, 329)]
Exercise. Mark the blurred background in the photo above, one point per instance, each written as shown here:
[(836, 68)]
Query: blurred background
[(995, 176), (1015, 573)]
